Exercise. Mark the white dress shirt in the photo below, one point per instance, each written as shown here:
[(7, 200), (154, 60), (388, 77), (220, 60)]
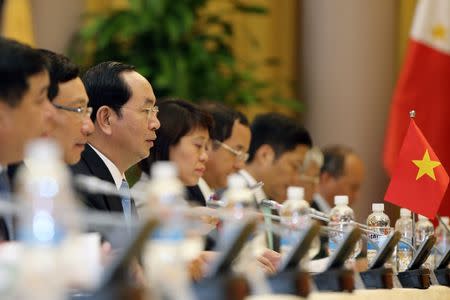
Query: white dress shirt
[(206, 190), (115, 173), (322, 204)]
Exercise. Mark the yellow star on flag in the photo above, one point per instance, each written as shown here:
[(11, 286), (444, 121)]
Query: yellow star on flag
[(426, 166), (439, 32)]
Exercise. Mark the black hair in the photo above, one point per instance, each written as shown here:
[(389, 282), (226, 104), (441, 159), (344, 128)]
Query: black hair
[(334, 160), (61, 70), (105, 86), (178, 117), (224, 119), (282, 133), (18, 62)]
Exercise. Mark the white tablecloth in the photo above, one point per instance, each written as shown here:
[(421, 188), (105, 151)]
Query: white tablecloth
[(433, 293)]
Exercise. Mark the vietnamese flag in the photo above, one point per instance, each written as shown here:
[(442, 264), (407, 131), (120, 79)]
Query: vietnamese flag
[(424, 85), (419, 180)]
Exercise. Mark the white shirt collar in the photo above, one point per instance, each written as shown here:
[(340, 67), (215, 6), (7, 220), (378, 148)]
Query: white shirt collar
[(205, 188), (115, 173), (321, 203), (259, 193)]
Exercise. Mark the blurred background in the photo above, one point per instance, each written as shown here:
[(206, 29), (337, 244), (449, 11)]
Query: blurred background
[(332, 64)]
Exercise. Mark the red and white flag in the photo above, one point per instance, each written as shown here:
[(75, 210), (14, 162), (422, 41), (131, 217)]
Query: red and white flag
[(424, 86)]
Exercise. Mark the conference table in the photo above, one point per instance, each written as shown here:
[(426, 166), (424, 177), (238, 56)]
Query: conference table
[(432, 293)]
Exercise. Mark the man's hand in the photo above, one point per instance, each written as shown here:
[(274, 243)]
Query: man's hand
[(197, 266), (269, 261)]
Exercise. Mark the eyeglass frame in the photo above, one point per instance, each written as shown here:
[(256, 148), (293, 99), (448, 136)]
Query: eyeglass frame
[(310, 179), (87, 110), (240, 155), (151, 110)]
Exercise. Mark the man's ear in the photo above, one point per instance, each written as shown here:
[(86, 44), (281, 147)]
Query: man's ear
[(265, 155), (103, 119)]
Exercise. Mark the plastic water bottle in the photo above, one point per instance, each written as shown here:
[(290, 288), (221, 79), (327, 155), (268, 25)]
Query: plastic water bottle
[(295, 216), (425, 228), (238, 196), (163, 257), (443, 238), (47, 218), (379, 223), (341, 220), (236, 199), (404, 252)]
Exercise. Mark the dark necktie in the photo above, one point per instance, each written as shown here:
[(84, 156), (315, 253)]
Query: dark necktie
[(4, 196)]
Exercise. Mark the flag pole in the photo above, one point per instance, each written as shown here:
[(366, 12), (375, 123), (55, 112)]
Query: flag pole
[(412, 115)]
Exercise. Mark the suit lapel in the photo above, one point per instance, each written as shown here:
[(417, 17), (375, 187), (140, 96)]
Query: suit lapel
[(100, 170)]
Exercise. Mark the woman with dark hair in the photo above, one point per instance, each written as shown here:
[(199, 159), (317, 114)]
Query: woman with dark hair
[(183, 138)]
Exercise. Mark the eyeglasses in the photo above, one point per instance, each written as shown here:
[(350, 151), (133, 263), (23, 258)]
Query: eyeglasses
[(152, 111), (84, 111), (240, 155), (309, 179)]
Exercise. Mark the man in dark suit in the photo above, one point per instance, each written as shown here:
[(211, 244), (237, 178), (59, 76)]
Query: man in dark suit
[(277, 150), (24, 81), (125, 121), (230, 142), (342, 173)]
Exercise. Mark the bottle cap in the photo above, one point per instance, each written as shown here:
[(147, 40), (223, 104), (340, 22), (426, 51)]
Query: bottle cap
[(378, 207), (341, 200), (404, 212), (236, 181), (295, 193), (164, 170), (422, 217)]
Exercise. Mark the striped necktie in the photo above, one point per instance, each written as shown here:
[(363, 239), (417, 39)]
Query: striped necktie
[(129, 208)]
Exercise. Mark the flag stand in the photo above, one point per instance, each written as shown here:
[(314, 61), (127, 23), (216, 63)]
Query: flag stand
[(412, 115)]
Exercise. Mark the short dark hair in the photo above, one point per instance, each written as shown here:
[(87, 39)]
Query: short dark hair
[(334, 159), (224, 118), (105, 86), (178, 117), (17, 63), (281, 132), (61, 70)]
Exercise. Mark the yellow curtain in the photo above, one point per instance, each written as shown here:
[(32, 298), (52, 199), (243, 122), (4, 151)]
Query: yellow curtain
[(257, 38), (405, 16), (274, 36), (18, 21)]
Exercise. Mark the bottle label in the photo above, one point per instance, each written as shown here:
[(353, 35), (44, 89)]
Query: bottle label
[(377, 238), (403, 246)]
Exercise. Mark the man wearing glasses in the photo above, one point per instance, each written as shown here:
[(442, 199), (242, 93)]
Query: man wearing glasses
[(125, 121), (230, 142), (72, 125)]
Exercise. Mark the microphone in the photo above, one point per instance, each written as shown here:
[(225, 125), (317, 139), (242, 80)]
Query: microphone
[(96, 185)]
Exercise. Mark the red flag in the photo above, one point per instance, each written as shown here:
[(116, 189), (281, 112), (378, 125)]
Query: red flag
[(424, 85), (419, 180)]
